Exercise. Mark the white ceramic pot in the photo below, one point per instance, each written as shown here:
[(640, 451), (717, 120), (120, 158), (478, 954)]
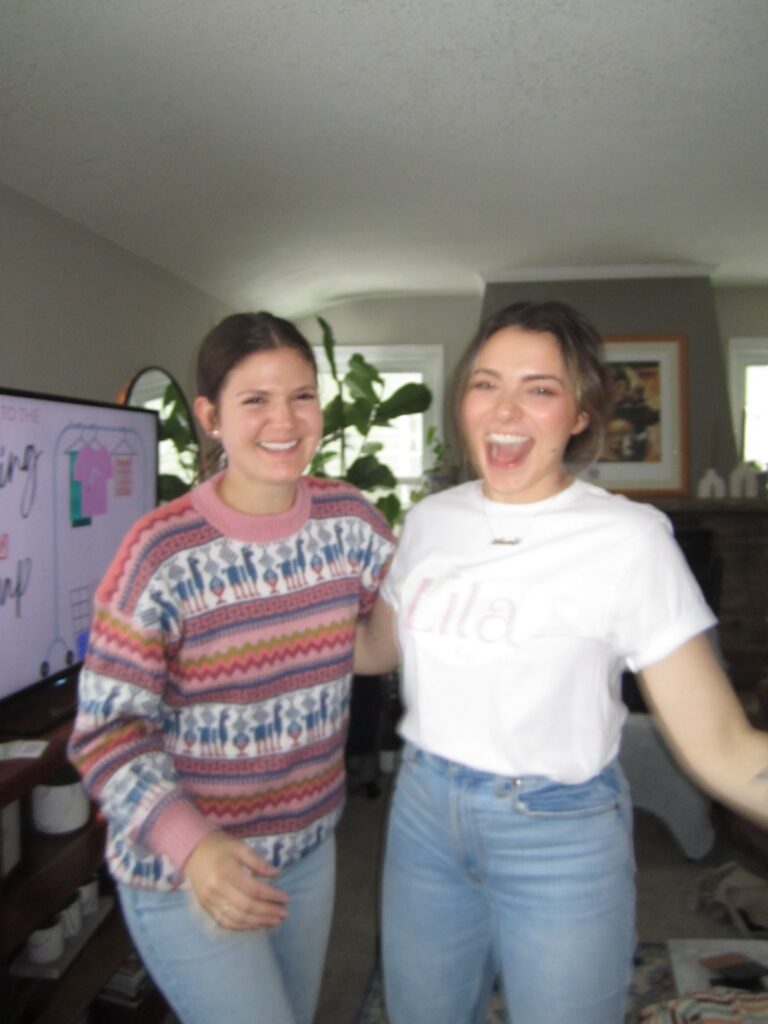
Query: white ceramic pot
[(71, 918), (46, 943), (88, 894), (61, 805)]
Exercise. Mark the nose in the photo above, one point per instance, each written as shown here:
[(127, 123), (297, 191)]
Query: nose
[(284, 413), (508, 407)]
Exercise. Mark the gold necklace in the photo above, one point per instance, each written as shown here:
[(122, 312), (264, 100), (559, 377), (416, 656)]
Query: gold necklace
[(511, 541), (506, 541)]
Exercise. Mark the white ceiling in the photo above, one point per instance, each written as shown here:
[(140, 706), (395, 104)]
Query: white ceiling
[(288, 153)]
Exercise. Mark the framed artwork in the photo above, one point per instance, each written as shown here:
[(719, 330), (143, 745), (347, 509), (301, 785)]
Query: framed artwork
[(646, 450)]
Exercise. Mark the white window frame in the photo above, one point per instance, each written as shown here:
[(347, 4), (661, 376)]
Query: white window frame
[(429, 360), (742, 352)]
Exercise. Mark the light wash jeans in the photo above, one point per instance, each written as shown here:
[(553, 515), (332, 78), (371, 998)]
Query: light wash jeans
[(527, 879), (211, 975)]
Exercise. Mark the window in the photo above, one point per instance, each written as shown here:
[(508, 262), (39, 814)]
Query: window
[(748, 384), (404, 448)]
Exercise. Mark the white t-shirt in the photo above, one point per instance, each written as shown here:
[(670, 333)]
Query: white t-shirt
[(512, 654)]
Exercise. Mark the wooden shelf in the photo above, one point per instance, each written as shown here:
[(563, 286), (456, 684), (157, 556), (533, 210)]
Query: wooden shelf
[(18, 776), (51, 869), (739, 530), (63, 1001), (707, 506)]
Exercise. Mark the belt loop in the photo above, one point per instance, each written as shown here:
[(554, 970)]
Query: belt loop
[(517, 784)]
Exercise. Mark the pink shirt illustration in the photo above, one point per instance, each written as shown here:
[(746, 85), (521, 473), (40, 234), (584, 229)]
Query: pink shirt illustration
[(93, 470)]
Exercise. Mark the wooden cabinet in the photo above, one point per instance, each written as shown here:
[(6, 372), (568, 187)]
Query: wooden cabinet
[(740, 535), (50, 870)]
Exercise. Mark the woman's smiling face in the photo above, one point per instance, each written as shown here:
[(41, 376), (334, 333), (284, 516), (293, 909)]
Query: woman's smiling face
[(518, 413), (269, 421)]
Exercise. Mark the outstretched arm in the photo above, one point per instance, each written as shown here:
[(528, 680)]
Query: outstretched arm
[(376, 648), (707, 728)]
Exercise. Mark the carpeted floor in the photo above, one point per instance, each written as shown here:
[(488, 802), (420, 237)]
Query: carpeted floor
[(651, 983)]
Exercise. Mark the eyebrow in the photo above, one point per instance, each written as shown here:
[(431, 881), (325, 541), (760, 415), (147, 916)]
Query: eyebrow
[(268, 391), (527, 377)]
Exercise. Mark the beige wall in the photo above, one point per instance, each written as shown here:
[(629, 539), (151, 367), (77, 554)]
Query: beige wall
[(742, 312), (79, 316), (447, 320)]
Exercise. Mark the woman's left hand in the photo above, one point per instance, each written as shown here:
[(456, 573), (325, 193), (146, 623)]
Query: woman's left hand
[(231, 883)]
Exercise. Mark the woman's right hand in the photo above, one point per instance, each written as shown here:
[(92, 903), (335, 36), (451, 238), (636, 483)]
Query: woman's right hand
[(230, 883)]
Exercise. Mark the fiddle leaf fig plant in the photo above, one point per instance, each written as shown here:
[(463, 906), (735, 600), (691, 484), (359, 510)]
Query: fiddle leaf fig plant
[(358, 406), (179, 449)]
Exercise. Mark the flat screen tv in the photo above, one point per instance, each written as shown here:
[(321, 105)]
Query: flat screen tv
[(74, 476)]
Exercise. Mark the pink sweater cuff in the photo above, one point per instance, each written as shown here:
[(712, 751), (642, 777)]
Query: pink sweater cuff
[(178, 831)]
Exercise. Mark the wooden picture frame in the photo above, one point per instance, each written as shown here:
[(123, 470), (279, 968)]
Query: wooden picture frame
[(646, 448)]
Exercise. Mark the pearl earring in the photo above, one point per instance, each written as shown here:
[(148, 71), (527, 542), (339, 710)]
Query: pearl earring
[(214, 434)]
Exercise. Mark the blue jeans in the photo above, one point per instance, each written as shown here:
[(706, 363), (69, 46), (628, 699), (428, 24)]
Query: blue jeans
[(211, 975), (527, 879)]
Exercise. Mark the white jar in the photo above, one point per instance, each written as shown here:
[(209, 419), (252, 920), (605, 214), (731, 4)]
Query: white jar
[(71, 918), (46, 943), (88, 894), (60, 805)]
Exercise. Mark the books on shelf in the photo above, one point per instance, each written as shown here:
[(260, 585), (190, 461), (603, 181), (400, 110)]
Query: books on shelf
[(129, 984)]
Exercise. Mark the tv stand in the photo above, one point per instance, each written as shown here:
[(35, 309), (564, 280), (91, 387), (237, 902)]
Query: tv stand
[(36, 711), (51, 869)]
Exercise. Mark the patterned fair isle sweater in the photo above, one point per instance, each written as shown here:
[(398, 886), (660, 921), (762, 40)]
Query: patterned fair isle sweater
[(215, 690)]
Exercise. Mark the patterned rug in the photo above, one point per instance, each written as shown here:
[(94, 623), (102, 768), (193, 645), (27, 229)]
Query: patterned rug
[(651, 982)]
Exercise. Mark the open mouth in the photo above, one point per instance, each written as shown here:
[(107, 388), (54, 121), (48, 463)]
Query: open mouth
[(507, 450), (278, 446)]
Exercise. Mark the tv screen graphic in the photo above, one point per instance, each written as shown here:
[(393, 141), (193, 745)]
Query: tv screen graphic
[(74, 476)]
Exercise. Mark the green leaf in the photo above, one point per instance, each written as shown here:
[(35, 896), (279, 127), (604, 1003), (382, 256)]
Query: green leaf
[(178, 434), (367, 473), (371, 448), (170, 486), (358, 415), (319, 459), (408, 399), (361, 365), (361, 377), (391, 508), (333, 416), (174, 407), (329, 345)]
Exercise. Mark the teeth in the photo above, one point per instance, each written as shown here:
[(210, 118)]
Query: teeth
[(278, 446), (507, 438)]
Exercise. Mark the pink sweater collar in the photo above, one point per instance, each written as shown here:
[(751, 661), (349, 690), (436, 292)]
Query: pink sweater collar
[(240, 525)]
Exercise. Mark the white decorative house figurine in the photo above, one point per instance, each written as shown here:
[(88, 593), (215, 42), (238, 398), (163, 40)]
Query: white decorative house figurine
[(711, 485), (742, 482)]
